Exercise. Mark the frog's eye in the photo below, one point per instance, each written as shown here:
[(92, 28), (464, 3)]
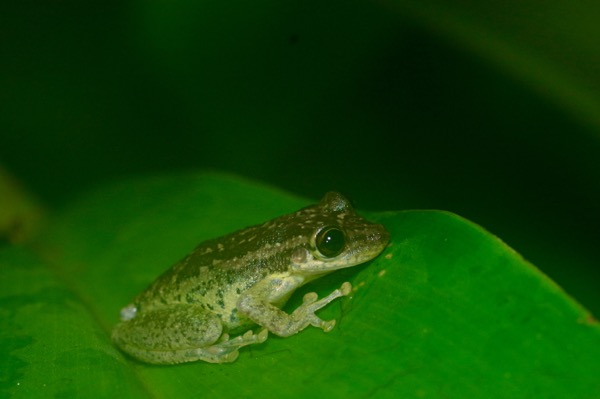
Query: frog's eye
[(330, 241)]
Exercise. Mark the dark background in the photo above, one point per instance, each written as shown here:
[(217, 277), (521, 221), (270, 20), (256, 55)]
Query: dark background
[(370, 98)]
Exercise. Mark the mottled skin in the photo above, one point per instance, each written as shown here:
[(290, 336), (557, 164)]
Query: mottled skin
[(231, 283)]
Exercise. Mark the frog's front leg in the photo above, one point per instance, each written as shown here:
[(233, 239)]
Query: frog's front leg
[(257, 304), (180, 333)]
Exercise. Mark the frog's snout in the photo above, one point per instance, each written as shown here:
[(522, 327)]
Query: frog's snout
[(380, 234)]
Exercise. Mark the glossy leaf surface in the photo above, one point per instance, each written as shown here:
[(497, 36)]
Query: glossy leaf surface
[(447, 311)]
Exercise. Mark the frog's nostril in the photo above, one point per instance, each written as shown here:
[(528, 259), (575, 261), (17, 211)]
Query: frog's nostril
[(376, 236), (379, 234)]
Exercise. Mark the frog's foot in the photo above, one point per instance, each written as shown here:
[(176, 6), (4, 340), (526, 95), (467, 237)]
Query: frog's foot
[(279, 322), (226, 350), (310, 305), (248, 338)]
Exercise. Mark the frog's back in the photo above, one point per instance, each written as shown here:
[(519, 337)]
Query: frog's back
[(219, 270)]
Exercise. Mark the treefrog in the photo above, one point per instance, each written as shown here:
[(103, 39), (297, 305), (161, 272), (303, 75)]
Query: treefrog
[(228, 284)]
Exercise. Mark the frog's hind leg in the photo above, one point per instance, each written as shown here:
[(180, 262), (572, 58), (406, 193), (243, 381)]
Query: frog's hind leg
[(180, 333), (226, 350)]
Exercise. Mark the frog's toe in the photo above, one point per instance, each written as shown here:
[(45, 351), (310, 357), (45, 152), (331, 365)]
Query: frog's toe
[(230, 357), (250, 338), (328, 325), (215, 354), (346, 288), (309, 298), (325, 325), (262, 335)]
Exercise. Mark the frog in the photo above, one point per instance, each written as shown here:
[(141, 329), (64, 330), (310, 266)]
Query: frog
[(204, 308)]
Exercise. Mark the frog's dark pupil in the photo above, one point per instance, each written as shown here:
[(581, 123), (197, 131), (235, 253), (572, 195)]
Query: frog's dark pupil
[(330, 241)]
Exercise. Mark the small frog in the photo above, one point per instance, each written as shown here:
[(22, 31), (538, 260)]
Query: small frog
[(227, 285)]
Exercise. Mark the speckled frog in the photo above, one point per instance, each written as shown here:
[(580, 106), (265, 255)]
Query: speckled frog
[(229, 284)]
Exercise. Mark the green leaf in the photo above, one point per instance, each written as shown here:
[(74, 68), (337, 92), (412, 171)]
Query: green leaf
[(51, 343), (447, 311)]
